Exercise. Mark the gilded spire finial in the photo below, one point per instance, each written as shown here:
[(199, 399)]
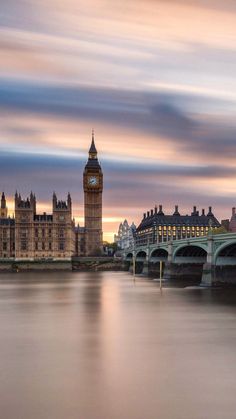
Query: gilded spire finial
[(92, 150)]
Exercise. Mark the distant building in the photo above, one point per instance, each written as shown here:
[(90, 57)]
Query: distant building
[(225, 224), (232, 223), (125, 236), (159, 227)]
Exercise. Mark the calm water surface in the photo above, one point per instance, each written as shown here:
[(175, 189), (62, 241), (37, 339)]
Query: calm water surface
[(99, 346)]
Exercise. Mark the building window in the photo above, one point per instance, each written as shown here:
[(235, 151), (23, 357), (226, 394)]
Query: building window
[(61, 233), (4, 246), (36, 232), (36, 245), (61, 246), (50, 246), (43, 246), (43, 232), (23, 245), (23, 233)]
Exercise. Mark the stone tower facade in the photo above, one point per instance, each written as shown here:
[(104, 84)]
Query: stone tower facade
[(93, 188), (7, 232)]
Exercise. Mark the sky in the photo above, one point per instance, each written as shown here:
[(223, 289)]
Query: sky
[(154, 78)]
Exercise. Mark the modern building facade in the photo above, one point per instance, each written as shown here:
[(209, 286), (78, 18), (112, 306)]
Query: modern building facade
[(157, 227), (125, 236), (32, 236)]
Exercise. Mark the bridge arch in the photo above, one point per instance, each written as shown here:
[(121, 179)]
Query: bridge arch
[(129, 256), (226, 253), (189, 253), (158, 255), (141, 255)]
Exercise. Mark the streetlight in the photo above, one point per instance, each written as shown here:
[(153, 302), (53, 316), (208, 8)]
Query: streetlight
[(134, 260), (160, 274)]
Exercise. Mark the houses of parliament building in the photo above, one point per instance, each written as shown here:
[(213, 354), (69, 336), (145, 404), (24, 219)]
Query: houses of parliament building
[(32, 236)]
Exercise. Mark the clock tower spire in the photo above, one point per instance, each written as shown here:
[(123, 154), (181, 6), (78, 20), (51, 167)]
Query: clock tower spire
[(93, 188)]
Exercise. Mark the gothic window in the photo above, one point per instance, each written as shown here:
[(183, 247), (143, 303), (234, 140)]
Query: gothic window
[(61, 233), (23, 233), (23, 245), (61, 246)]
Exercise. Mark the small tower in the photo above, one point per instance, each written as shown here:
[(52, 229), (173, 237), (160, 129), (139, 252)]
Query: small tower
[(93, 188), (69, 202), (25, 210), (3, 211)]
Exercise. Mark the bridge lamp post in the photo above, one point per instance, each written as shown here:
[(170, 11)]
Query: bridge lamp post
[(160, 274), (134, 269)]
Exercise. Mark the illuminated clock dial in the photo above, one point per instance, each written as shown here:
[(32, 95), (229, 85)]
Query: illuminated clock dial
[(92, 181)]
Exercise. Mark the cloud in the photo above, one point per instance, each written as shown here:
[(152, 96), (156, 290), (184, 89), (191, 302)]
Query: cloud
[(164, 116)]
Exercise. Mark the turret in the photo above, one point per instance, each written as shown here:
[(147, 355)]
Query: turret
[(33, 201), (54, 201), (3, 201), (69, 201), (3, 211)]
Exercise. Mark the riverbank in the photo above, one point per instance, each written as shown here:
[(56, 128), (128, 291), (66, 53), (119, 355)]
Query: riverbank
[(82, 264)]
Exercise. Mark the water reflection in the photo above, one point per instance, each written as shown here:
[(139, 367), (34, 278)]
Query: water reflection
[(98, 346)]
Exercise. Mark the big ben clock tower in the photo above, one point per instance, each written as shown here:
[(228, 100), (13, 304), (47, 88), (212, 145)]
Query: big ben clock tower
[(93, 187)]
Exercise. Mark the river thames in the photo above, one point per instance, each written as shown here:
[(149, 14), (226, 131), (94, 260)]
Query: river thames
[(101, 346)]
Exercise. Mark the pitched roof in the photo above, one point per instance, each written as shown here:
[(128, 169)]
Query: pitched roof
[(93, 147), (178, 220)]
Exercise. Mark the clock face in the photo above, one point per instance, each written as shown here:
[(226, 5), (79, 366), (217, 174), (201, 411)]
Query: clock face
[(92, 180)]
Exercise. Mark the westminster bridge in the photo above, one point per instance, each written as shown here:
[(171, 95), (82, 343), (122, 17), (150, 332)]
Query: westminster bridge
[(211, 258)]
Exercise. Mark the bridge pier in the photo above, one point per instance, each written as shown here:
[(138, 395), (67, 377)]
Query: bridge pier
[(208, 275), (169, 271), (208, 272), (145, 268), (170, 267)]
